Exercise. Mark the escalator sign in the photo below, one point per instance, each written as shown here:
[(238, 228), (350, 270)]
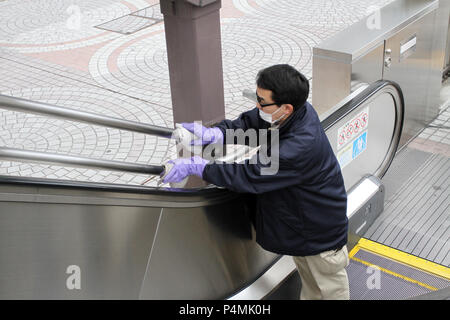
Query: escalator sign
[(352, 128), (359, 145), (352, 150)]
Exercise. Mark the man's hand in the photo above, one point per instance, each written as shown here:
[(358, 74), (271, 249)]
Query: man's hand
[(183, 167), (206, 135)]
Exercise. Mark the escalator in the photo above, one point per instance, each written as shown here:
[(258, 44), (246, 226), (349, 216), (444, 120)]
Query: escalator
[(83, 240)]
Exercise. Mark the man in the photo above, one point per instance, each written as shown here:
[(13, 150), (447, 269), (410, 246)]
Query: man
[(301, 209)]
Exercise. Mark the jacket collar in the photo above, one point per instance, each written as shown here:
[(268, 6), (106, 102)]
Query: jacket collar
[(297, 115)]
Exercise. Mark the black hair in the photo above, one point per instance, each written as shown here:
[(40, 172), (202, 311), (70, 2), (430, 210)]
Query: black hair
[(286, 83)]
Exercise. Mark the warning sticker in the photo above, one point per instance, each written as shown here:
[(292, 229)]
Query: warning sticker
[(352, 150), (345, 156), (359, 145), (352, 128)]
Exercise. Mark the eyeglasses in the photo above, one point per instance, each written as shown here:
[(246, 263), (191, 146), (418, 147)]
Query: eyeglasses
[(259, 99)]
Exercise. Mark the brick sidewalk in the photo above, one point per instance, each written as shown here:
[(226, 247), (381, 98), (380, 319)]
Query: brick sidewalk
[(52, 51)]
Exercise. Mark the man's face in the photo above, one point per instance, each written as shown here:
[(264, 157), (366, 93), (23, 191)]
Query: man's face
[(264, 97)]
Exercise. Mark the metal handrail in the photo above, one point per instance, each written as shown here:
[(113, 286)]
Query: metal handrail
[(360, 97), (40, 108), (27, 106), (75, 161)]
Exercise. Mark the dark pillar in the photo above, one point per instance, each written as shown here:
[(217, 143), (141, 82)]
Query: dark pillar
[(195, 59)]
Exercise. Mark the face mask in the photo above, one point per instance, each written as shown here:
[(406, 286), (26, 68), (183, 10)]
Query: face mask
[(268, 116)]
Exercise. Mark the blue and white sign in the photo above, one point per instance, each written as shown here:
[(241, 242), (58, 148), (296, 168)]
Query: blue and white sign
[(359, 145), (352, 150)]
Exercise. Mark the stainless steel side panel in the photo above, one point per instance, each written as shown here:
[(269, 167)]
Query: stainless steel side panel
[(418, 75), (350, 54), (363, 53), (443, 49), (368, 68), (39, 241), (447, 50), (126, 245), (206, 253), (331, 81)]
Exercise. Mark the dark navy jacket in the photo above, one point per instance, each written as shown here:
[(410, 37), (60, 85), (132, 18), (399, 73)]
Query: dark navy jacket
[(300, 210)]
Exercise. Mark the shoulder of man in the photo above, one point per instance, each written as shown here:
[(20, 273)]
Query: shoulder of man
[(300, 143)]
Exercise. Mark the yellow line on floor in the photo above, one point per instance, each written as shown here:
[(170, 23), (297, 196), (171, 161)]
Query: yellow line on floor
[(403, 257), (395, 274), (353, 251)]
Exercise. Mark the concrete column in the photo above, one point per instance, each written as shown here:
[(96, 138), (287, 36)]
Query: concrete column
[(195, 59)]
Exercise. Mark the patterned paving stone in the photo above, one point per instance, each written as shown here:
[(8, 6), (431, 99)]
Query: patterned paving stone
[(140, 61), (251, 45), (38, 133), (435, 138), (152, 12), (22, 71), (127, 75), (135, 65), (128, 24), (49, 25)]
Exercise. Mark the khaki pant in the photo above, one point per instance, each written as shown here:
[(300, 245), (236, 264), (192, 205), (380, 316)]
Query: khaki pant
[(323, 276)]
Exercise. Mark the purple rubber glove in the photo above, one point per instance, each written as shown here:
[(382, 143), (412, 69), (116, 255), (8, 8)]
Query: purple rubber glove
[(207, 135), (184, 167)]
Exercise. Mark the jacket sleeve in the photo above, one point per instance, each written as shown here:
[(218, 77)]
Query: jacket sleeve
[(294, 163), (249, 177), (247, 120)]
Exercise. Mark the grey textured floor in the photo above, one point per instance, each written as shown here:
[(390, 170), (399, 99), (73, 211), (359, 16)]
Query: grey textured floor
[(417, 206), (389, 287)]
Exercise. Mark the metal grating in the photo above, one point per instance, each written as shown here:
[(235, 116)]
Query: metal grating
[(403, 269), (133, 22), (152, 12), (390, 287), (416, 216)]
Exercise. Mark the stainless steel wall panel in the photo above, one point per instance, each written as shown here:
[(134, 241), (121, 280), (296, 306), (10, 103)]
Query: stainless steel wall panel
[(369, 67), (204, 244), (332, 74), (39, 241), (447, 50), (415, 74), (206, 253), (355, 42), (362, 54), (443, 43)]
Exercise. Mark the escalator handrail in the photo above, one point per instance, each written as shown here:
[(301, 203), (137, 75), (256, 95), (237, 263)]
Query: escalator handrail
[(41, 108), (13, 154), (360, 99), (327, 123)]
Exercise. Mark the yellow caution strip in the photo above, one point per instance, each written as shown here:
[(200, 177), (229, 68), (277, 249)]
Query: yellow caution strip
[(396, 274), (353, 251), (403, 257)]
